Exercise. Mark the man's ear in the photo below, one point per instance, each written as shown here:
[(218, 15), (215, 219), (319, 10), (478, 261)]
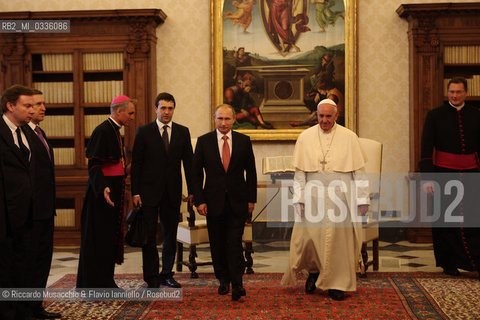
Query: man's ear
[(10, 106)]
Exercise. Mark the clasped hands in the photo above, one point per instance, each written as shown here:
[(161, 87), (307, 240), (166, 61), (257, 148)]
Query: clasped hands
[(300, 209), (137, 201), (202, 208)]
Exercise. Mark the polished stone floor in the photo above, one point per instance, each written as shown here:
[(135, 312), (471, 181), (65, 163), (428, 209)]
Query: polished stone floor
[(269, 256)]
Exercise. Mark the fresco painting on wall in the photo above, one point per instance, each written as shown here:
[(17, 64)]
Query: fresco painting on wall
[(274, 60)]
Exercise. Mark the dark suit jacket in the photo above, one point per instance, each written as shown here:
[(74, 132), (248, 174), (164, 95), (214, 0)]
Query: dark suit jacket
[(154, 171), (18, 178), (44, 183), (240, 180), (3, 205)]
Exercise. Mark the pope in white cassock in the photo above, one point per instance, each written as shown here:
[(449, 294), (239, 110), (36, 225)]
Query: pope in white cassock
[(330, 196)]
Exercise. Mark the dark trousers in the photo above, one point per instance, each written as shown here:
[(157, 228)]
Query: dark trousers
[(168, 223), (16, 269), (225, 233), (450, 247), (41, 252), (457, 245)]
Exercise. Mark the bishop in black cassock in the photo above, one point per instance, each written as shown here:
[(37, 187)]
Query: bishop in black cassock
[(102, 229)]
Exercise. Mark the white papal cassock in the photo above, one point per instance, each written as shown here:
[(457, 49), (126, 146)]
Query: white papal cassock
[(330, 181)]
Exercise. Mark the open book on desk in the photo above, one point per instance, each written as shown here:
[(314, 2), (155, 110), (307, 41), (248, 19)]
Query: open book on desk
[(279, 164)]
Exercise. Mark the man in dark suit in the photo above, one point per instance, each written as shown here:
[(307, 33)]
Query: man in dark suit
[(43, 205), (227, 197), (3, 206), (18, 165), (158, 151)]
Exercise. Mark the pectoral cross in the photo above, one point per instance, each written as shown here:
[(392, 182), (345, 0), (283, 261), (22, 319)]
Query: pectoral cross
[(323, 162)]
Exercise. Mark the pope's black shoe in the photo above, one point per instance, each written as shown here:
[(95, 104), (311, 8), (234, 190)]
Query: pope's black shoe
[(310, 283), (451, 271), (44, 314), (336, 294)]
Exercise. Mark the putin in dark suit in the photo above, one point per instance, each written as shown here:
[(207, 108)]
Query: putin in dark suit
[(158, 151), (227, 197)]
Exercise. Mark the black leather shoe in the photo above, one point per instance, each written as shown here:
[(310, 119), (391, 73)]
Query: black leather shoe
[(238, 292), (451, 271), (336, 294), (223, 288), (44, 314), (243, 292), (170, 282), (310, 283)]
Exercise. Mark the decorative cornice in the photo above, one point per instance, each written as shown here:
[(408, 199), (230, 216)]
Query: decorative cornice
[(417, 9), (428, 16), (155, 15), (141, 25)]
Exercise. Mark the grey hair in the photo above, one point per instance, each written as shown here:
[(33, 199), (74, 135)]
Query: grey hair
[(225, 105), (121, 105)]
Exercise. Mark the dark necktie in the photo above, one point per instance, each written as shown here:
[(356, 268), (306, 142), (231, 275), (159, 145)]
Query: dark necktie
[(165, 137), (40, 135), (225, 153), (23, 148)]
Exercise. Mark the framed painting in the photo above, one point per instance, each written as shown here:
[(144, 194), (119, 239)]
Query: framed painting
[(274, 60)]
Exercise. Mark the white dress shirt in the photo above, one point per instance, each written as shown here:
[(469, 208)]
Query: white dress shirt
[(169, 128), (13, 128)]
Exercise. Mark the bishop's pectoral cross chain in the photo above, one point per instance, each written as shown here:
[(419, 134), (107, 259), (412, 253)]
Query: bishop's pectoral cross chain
[(324, 162)]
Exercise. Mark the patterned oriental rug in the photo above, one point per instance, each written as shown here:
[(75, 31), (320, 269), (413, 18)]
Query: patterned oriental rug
[(419, 295)]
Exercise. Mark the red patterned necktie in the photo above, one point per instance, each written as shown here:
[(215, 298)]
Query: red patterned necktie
[(225, 153), (40, 135)]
